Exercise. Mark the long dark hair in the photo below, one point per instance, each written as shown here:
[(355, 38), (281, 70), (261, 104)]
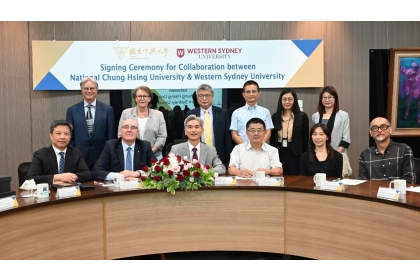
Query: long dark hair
[(277, 117), (326, 131), (331, 90)]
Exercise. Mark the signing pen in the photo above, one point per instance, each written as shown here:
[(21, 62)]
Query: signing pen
[(336, 180)]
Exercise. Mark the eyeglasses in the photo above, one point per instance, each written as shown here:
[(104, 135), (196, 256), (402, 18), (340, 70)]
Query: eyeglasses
[(89, 88), (127, 127), (142, 96), (287, 99), (328, 98), (251, 91), (383, 127), (202, 96), (253, 131)]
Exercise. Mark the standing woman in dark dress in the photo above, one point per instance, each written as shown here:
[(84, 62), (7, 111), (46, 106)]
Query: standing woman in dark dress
[(291, 131), (321, 157)]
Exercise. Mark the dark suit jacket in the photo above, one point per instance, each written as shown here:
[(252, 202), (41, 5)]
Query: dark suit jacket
[(103, 130), (300, 135), (112, 158), (222, 136), (44, 165)]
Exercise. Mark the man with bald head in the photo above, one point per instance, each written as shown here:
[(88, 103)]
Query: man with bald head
[(126, 155), (386, 160)]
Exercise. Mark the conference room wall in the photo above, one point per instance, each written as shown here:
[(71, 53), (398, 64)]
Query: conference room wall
[(26, 114)]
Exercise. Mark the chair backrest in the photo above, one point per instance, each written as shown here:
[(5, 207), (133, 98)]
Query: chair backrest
[(347, 171), (23, 169), (417, 169), (176, 141)]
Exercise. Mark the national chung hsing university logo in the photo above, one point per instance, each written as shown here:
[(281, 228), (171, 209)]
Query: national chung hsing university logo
[(121, 51), (180, 53)]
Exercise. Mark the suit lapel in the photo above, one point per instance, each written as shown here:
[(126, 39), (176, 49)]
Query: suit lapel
[(81, 115), (98, 112), (53, 159), (137, 152), (203, 154), (149, 120), (185, 151), (69, 157), (120, 154)]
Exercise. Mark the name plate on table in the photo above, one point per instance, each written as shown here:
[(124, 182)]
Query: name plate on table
[(276, 182), (129, 185), (331, 186), (8, 203), (223, 181), (388, 193), (68, 192)]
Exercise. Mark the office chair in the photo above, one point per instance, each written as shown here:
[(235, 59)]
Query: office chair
[(417, 169), (23, 169)]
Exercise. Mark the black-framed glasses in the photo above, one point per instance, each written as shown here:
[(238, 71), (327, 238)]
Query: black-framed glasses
[(251, 91), (383, 127), (127, 127), (202, 96), (142, 96), (258, 131)]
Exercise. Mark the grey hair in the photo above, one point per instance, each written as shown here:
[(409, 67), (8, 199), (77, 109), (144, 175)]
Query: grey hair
[(88, 79), (193, 117), (205, 87), (56, 123)]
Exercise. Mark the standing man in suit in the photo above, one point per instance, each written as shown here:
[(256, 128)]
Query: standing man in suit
[(194, 149), (217, 133), (126, 155), (59, 163), (93, 122)]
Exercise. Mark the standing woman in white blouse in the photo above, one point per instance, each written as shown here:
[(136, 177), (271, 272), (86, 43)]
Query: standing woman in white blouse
[(336, 120), (151, 123)]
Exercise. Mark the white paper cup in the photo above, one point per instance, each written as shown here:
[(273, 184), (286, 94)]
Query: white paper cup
[(42, 190), (400, 185), (117, 179), (318, 178)]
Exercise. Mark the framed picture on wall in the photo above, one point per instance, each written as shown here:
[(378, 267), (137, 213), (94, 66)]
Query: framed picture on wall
[(404, 92)]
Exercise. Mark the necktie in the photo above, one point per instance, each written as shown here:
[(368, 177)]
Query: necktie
[(128, 161), (62, 161), (195, 156), (208, 131), (89, 120)]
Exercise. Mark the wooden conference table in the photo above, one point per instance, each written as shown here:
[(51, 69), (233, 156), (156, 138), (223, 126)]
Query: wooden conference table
[(297, 219)]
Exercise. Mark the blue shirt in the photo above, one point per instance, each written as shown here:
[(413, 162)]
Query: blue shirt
[(242, 115)]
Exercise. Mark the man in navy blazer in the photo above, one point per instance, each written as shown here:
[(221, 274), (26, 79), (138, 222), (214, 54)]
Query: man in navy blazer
[(126, 155), (45, 166), (93, 123), (222, 139)]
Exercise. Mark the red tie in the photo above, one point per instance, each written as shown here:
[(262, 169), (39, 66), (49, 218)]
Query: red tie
[(195, 156)]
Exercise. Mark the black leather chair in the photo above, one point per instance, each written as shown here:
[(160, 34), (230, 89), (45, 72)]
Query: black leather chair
[(417, 169), (176, 141), (23, 169)]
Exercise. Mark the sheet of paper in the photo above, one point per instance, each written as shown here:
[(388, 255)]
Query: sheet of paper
[(413, 189), (352, 182)]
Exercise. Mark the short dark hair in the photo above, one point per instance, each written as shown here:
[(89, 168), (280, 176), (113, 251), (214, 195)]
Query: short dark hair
[(331, 90), (56, 123), (255, 120), (250, 83)]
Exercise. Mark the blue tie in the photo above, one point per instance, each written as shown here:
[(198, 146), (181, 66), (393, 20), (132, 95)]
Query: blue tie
[(128, 161), (61, 162)]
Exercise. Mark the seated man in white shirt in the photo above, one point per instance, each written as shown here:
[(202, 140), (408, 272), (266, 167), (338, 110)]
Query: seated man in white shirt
[(255, 155), (194, 149)]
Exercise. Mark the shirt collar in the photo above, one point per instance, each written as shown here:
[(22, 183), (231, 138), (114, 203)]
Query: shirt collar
[(204, 110), (85, 103), (375, 149), (250, 107), (125, 146), (57, 151), (248, 146), (190, 147)]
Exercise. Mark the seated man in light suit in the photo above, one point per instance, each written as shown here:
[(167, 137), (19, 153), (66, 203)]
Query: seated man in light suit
[(126, 155), (193, 149), (59, 163)]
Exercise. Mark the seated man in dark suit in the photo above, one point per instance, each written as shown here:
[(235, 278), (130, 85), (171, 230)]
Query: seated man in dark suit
[(59, 163), (193, 149), (126, 155)]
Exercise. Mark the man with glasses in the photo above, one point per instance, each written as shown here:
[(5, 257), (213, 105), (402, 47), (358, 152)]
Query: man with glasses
[(216, 122), (126, 155), (387, 160), (93, 122), (255, 155), (251, 93)]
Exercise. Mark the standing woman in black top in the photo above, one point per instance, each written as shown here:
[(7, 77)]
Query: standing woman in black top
[(291, 131), (321, 157)]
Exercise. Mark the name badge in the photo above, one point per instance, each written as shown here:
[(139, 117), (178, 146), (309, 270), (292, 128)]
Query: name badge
[(225, 181), (129, 185), (284, 143), (332, 186), (8, 203), (388, 193), (276, 182), (68, 192)]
